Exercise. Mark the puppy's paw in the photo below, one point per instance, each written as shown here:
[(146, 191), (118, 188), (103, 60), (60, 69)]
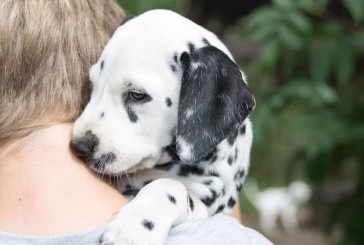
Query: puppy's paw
[(132, 229)]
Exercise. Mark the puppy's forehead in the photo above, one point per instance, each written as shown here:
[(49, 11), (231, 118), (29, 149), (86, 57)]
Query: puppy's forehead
[(153, 35)]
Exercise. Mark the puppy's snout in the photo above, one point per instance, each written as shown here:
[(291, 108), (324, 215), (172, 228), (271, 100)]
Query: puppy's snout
[(85, 146)]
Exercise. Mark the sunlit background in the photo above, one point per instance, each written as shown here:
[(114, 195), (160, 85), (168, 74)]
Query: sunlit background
[(305, 64)]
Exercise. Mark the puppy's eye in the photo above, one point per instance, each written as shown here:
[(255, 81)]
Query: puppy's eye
[(137, 96)]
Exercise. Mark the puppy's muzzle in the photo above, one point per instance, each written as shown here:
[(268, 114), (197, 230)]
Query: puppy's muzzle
[(85, 146)]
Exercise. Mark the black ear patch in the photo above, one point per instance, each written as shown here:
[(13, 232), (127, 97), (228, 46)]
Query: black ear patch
[(214, 101)]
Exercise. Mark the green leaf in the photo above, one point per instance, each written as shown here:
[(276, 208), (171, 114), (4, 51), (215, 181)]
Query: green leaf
[(346, 55), (264, 16), (299, 22), (321, 61), (289, 37), (262, 34), (271, 52), (327, 94), (313, 6), (285, 4), (355, 8)]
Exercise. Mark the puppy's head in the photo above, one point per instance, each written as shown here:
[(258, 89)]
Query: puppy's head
[(161, 77)]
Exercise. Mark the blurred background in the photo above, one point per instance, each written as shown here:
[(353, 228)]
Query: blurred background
[(304, 60)]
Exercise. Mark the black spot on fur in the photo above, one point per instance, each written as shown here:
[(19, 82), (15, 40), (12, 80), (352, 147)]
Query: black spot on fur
[(232, 137), (173, 68), (190, 201), (205, 41), (108, 158), (220, 208), (102, 115), (102, 65), (175, 58), (185, 170), (191, 47), (238, 187), (185, 60), (238, 179), (231, 203), (213, 173), (169, 102), (242, 129), (214, 159), (209, 200), (172, 150), (96, 164), (131, 192), (171, 198), (211, 155), (166, 167), (132, 116), (207, 182), (148, 224), (239, 175), (230, 160)]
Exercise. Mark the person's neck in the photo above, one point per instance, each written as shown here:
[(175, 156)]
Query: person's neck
[(45, 190)]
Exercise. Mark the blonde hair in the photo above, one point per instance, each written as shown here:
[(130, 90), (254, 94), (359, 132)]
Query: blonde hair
[(46, 49)]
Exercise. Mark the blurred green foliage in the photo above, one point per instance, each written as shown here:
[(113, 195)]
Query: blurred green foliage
[(309, 83), (308, 79)]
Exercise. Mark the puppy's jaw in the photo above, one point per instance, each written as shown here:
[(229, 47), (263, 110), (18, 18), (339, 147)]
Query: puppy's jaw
[(118, 168)]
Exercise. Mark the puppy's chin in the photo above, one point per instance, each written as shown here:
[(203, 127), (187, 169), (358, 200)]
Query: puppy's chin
[(117, 168), (147, 162)]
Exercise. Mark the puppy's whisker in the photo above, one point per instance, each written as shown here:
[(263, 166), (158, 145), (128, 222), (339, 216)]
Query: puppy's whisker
[(127, 176)]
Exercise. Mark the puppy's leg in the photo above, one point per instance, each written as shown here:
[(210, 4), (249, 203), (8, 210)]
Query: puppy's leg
[(138, 224)]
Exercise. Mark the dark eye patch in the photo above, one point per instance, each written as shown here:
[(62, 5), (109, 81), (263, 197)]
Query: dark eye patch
[(132, 116)]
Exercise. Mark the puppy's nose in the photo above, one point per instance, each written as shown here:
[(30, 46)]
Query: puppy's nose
[(84, 147), (80, 148)]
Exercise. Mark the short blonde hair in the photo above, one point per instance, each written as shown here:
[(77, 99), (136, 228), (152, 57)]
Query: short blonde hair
[(46, 49)]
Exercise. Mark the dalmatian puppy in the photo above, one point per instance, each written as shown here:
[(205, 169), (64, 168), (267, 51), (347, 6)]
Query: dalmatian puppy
[(168, 117)]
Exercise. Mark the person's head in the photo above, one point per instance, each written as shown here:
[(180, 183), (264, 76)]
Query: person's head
[(46, 50)]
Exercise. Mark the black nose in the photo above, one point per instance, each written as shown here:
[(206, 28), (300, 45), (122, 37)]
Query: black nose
[(84, 147)]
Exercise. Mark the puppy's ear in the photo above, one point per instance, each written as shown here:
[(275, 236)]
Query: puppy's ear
[(214, 101)]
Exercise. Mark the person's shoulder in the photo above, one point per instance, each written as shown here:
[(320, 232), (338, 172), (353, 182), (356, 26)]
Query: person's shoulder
[(219, 229)]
